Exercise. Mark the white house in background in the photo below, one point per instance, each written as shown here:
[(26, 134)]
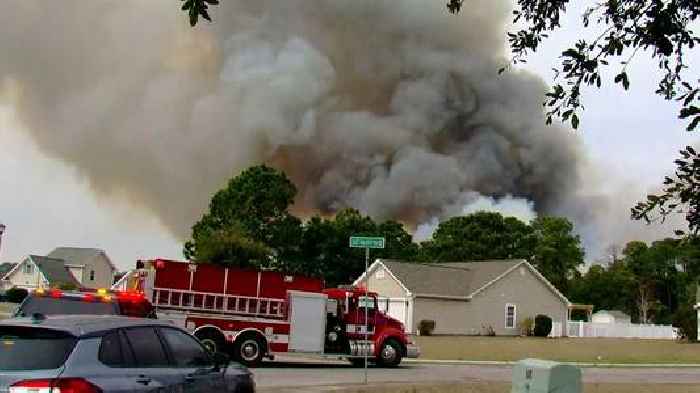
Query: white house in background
[(38, 272), (90, 266), (611, 316)]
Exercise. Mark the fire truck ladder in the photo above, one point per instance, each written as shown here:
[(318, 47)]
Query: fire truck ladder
[(184, 300)]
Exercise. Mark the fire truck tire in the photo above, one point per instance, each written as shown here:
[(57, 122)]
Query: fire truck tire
[(249, 349), (213, 340), (390, 354)]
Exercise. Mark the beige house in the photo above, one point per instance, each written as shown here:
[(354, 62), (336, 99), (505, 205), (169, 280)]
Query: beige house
[(469, 298), (38, 272), (90, 266)]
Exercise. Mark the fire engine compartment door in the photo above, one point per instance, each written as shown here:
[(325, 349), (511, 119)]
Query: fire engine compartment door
[(307, 321)]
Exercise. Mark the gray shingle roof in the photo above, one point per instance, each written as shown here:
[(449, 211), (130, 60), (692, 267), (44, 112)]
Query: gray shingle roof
[(77, 255), (54, 270), (459, 279)]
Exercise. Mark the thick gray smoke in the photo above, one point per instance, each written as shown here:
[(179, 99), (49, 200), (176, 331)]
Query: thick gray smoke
[(392, 107)]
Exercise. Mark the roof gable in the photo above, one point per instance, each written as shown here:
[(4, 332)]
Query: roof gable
[(80, 256)]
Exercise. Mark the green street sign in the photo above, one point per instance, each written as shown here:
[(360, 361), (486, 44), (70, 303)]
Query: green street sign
[(366, 242)]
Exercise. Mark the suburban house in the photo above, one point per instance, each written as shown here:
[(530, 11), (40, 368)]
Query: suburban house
[(469, 298), (612, 316), (90, 266), (38, 272)]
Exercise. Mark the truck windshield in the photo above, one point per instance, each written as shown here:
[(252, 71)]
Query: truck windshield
[(20, 346), (51, 306), (366, 302)]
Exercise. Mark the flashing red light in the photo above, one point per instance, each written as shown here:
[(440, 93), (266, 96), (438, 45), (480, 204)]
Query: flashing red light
[(63, 385), (130, 296), (56, 293), (88, 297), (160, 264)]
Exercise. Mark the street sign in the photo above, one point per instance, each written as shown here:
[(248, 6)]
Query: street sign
[(366, 242)]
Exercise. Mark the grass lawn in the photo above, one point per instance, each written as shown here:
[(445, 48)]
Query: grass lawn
[(593, 350), (484, 387)]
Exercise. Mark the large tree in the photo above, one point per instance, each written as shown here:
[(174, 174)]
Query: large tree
[(558, 251), (479, 236), (248, 222), (325, 245)]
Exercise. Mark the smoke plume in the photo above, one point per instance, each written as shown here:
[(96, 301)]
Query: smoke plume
[(391, 107)]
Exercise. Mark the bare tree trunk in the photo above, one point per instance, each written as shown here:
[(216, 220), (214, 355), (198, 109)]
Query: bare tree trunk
[(644, 302)]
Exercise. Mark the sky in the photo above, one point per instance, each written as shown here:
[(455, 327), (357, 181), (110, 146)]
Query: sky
[(632, 137)]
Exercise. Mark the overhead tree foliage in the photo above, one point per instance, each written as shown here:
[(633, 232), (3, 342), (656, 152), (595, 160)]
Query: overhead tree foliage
[(680, 195), (618, 31)]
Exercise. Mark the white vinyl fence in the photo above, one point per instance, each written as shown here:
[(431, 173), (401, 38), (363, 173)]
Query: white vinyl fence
[(621, 330)]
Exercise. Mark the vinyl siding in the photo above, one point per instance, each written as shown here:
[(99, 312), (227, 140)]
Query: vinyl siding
[(529, 294), (385, 286), (28, 281), (104, 275), (450, 316)]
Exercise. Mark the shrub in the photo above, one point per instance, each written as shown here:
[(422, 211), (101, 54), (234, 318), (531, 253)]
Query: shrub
[(16, 295), (67, 286), (526, 326), (543, 325), (426, 327), (488, 330), (686, 320)]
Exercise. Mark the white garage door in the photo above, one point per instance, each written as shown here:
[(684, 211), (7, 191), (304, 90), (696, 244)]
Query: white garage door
[(395, 307)]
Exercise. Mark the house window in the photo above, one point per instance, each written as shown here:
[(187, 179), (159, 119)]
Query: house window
[(92, 275), (28, 268), (511, 316), (379, 275)]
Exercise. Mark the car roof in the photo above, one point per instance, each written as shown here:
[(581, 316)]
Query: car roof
[(83, 325)]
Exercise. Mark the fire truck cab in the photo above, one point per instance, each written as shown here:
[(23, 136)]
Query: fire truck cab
[(253, 315)]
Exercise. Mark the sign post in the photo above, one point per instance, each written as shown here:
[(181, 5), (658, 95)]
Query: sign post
[(366, 243)]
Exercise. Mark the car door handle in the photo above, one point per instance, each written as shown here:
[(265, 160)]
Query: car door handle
[(144, 380)]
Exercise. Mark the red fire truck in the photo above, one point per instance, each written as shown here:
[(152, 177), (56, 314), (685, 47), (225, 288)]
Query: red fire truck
[(256, 314)]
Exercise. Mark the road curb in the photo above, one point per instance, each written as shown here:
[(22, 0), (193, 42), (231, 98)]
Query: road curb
[(578, 364)]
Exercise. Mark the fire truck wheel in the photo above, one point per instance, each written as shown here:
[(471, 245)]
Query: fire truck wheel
[(212, 340), (249, 350), (390, 354)]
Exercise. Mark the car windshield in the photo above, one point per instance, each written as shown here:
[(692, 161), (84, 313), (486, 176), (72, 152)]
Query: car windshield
[(19, 347), (52, 306)]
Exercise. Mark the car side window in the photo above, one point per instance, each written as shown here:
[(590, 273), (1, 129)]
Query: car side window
[(146, 347), (111, 353), (185, 350)]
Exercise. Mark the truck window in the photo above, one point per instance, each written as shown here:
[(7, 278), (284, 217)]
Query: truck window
[(367, 302)]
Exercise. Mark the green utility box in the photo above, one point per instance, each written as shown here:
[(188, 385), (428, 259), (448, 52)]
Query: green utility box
[(542, 376)]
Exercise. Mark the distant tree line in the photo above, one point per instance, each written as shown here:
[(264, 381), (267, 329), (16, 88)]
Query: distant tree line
[(249, 224)]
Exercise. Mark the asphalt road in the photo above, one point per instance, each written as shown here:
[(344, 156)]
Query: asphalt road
[(305, 373)]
